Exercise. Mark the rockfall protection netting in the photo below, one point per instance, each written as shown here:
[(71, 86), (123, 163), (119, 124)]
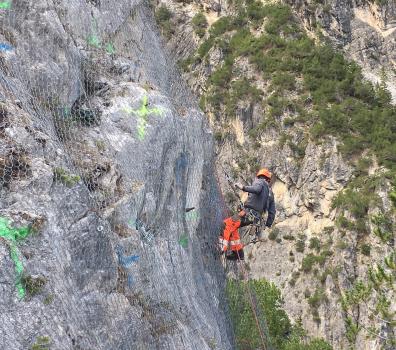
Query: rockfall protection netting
[(102, 149)]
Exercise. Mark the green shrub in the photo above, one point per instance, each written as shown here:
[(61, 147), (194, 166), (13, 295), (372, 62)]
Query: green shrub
[(283, 81), (352, 330), (315, 344), (323, 276), (163, 14), (288, 122), (365, 249), (314, 243), (243, 88), (61, 175), (186, 63), (33, 285), (222, 76), (279, 16), (42, 343), (356, 201), (341, 244), (221, 26), (289, 237), (298, 149), (311, 259), (268, 304), (199, 24), (300, 246), (255, 10), (383, 227), (48, 299), (163, 17), (317, 298), (308, 262), (205, 47), (273, 235)]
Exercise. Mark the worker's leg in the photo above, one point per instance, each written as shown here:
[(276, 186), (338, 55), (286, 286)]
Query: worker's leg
[(245, 218), (230, 225), (236, 245)]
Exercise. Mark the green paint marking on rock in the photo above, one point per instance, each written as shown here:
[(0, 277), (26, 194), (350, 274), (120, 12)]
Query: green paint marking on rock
[(5, 5), (12, 236), (110, 48), (191, 215), (143, 112), (93, 39), (183, 241)]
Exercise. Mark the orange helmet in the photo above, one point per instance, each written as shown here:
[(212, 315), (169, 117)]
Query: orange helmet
[(264, 172)]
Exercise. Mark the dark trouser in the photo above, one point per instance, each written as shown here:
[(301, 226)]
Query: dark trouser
[(250, 217)]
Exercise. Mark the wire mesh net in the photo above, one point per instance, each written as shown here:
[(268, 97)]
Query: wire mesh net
[(102, 149)]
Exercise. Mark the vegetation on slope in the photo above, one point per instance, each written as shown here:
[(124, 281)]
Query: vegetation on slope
[(329, 92), (380, 287), (306, 85), (278, 330)]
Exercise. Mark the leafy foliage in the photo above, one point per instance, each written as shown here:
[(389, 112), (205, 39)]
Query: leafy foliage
[(199, 24), (342, 103), (281, 335), (64, 177), (163, 17), (310, 260)]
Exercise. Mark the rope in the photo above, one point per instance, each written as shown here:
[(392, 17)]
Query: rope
[(251, 303), (262, 337)]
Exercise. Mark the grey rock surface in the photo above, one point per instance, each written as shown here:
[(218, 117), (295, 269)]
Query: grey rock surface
[(117, 167)]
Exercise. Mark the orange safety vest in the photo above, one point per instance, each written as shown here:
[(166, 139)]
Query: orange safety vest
[(231, 235)]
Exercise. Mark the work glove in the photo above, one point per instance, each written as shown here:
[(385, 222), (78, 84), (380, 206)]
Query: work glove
[(238, 185)]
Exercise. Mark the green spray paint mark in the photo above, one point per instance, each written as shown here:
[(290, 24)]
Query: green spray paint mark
[(93, 38), (191, 216), (110, 48), (5, 5), (183, 241), (12, 236), (143, 112), (95, 41)]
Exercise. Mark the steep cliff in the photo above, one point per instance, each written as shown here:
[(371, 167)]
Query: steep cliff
[(101, 150), (280, 94), (364, 29)]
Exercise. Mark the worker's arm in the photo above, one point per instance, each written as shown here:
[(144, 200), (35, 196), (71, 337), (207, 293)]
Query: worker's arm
[(255, 188), (271, 212)]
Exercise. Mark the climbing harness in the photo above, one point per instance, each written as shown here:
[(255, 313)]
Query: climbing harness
[(250, 214)]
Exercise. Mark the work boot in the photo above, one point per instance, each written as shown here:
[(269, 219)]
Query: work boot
[(230, 255), (258, 236), (235, 255)]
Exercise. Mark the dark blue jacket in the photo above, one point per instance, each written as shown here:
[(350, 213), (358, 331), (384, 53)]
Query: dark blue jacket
[(261, 199)]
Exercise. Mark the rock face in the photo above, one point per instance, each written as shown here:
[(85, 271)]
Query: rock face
[(365, 30), (310, 258), (97, 136)]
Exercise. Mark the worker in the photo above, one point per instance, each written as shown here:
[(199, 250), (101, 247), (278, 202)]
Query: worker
[(260, 200)]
